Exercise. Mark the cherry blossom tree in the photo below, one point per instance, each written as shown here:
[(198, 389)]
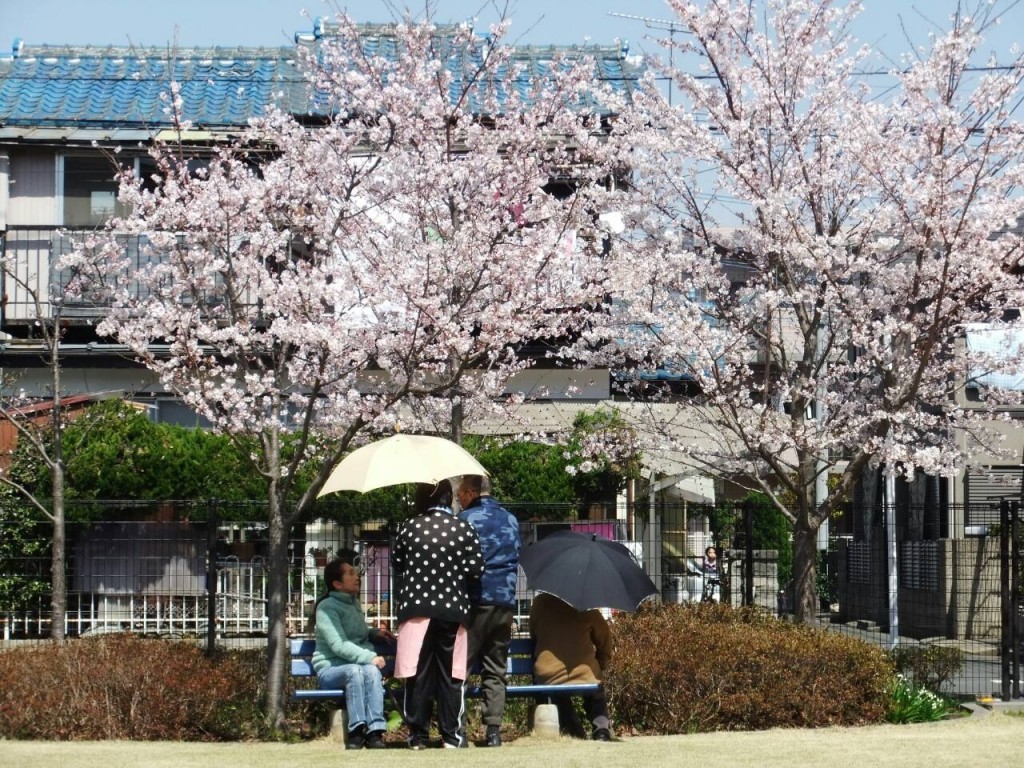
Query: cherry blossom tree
[(379, 259), (809, 250)]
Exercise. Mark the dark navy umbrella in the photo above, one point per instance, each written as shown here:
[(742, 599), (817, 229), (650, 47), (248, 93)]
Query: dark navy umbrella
[(586, 571)]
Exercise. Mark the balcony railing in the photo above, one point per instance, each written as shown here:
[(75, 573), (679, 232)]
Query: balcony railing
[(31, 253)]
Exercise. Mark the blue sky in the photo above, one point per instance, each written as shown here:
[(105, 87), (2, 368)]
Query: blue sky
[(273, 22)]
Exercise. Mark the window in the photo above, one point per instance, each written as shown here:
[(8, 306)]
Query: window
[(89, 190), (89, 187)]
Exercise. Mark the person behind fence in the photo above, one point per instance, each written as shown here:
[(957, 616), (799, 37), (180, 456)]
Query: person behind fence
[(572, 646), (493, 601), (712, 576), (345, 656), (435, 558)]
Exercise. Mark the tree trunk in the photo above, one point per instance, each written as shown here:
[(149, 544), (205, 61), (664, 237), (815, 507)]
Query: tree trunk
[(277, 600), (916, 508), (805, 553), (59, 596), (58, 571), (457, 419)]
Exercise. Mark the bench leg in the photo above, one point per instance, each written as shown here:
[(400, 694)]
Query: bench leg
[(339, 725), (545, 721)]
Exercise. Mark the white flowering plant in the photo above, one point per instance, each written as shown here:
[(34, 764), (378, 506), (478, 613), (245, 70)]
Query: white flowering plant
[(909, 703)]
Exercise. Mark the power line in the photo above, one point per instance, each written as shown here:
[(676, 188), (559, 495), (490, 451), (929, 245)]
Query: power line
[(671, 27)]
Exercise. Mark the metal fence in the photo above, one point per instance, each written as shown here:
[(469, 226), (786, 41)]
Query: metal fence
[(961, 592), (153, 576), (150, 575)]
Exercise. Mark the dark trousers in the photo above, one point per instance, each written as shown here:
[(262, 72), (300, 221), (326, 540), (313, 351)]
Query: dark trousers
[(434, 681), (490, 632), (596, 707)]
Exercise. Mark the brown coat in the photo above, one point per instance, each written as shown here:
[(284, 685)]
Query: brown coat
[(571, 646)]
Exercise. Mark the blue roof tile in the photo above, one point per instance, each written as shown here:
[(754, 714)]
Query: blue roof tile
[(51, 86), (112, 87)]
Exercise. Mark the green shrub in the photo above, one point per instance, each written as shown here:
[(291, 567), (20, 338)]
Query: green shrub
[(928, 666), (707, 667), (124, 687), (909, 703)]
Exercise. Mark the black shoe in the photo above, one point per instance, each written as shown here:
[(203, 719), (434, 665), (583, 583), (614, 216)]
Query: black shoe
[(601, 734), (375, 740), (493, 736), (356, 738), (417, 742)]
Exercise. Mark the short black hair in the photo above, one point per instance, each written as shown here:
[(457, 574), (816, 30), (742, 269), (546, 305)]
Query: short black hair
[(429, 495), (333, 568)]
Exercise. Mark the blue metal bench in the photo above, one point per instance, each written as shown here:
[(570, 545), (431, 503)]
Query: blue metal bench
[(302, 667), (520, 662)]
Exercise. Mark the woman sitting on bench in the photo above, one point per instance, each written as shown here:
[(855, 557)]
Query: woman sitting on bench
[(345, 657)]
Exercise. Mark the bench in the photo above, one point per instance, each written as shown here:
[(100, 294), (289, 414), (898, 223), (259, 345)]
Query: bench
[(520, 662)]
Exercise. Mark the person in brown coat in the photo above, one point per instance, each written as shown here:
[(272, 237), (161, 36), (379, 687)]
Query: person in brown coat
[(572, 646)]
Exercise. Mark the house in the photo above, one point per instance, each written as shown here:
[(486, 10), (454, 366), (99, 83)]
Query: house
[(67, 114)]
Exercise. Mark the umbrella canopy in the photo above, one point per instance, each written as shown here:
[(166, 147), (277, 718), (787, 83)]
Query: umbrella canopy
[(401, 459), (586, 571)]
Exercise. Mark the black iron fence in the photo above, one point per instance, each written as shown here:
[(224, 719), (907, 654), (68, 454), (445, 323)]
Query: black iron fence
[(157, 572), (167, 568)]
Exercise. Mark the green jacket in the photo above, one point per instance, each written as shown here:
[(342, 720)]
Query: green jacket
[(342, 636)]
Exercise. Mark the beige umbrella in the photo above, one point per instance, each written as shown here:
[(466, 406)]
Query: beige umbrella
[(401, 459)]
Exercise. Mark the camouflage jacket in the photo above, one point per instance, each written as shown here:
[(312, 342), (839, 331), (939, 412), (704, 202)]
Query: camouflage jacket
[(498, 531)]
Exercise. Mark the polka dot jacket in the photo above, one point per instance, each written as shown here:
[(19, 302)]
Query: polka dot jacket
[(435, 557)]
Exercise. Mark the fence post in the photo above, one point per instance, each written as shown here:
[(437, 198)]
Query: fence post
[(1015, 595), (1004, 594), (212, 523), (748, 566)]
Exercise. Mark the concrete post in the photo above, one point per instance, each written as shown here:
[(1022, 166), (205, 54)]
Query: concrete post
[(545, 721), (339, 726)]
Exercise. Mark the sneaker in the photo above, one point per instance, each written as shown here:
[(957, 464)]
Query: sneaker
[(493, 736), (375, 740), (601, 734), (462, 744)]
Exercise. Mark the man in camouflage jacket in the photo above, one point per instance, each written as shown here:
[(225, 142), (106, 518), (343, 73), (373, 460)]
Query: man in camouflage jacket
[(492, 606)]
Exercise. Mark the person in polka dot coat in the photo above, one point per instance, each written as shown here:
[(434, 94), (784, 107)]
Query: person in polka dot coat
[(436, 557)]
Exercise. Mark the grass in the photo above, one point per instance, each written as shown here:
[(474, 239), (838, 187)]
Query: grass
[(993, 741)]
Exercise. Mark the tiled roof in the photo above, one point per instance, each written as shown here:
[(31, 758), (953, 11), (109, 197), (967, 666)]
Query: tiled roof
[(91, 88), (535, 63)]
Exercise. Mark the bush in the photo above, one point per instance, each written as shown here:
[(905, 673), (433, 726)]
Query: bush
[(929, 666), (125, 687), (909, 703), (707, 667)]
